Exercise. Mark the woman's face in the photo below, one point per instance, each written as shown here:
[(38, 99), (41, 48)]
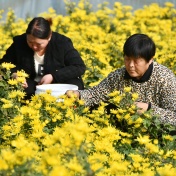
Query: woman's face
[(136, 67), (37, 44)]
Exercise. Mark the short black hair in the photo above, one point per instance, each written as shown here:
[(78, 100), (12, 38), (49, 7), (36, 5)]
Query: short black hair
[(39, 27), (139, 45)]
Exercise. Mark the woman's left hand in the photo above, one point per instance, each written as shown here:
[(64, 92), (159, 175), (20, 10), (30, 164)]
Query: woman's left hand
[(25, 85), (142, 106), (47, 79)]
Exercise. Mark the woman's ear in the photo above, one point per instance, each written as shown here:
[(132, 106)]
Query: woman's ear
[(151, 60), (50, 36)]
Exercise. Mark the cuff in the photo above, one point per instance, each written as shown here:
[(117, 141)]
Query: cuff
[(79, 94), (149, 106)]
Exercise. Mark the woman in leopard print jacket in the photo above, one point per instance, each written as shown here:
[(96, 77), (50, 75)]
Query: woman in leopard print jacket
[(154, 83)]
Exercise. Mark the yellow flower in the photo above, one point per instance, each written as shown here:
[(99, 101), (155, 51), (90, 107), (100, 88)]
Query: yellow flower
[(21, 79), (130, 122), (149, 116), (133, 107), (121, 111), (6, 127), (137, 125), (12, 82), (169, 4), (152, 148), (53, 110), (113, 111), (22, 74), (136, 157), (69, 113), (85, 110), (115, 93), (68, 102), (143, 129), (125, 134), (157, 163), (131, 111), (134, 96), (81, 102), (174, 154), (7, 155), (6, 106), (116, 168), (48, 108), (143, 139), (167, 170), (155, 141), (117, 99), (127, 89), (38, 105), (16, 93), (19, 142), (126, 141), (168, 137), (74, 165), (136, 165), (3, 164), (127, 116), (139, 120), (48, 91), (62, 171), (8, 66), (161, 152), (5, 100)]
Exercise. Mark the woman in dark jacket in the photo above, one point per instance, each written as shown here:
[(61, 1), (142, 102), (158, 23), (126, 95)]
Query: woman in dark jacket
[(46, 56)]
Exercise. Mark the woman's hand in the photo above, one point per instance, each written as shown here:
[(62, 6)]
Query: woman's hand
[(142, 106), (24, 85), (71, 93), (47, 79)]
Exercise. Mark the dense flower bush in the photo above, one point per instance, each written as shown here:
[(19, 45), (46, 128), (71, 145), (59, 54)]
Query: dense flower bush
[(45, 136)]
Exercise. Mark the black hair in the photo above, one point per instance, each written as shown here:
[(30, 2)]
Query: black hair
[(39, 27), (139, 45)]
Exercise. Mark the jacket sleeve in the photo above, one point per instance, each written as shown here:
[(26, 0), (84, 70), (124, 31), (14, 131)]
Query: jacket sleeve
[(100, 92), (167, 108), (74, 65)]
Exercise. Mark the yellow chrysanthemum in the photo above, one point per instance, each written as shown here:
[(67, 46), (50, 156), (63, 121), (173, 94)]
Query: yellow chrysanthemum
[(16, 93), (168, 137), (143, 139), (21, 79), (8, 66), (3, 164), (12, 82), (127, 89), (134, 96), (115, 93), (22, 74), (6, 106)]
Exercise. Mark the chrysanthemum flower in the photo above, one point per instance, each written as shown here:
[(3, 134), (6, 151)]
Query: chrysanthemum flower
[(12, 82), (8, 66), (22, 74)]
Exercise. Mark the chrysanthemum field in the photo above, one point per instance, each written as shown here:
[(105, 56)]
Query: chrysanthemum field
[(46, 137)]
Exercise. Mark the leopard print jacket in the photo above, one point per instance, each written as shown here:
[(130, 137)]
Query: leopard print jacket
[(159, 90)]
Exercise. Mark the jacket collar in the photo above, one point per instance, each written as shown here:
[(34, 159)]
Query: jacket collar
[(144, 78)]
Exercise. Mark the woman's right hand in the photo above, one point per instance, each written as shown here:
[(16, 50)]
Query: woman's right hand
[(24, 84), (71, 93)]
